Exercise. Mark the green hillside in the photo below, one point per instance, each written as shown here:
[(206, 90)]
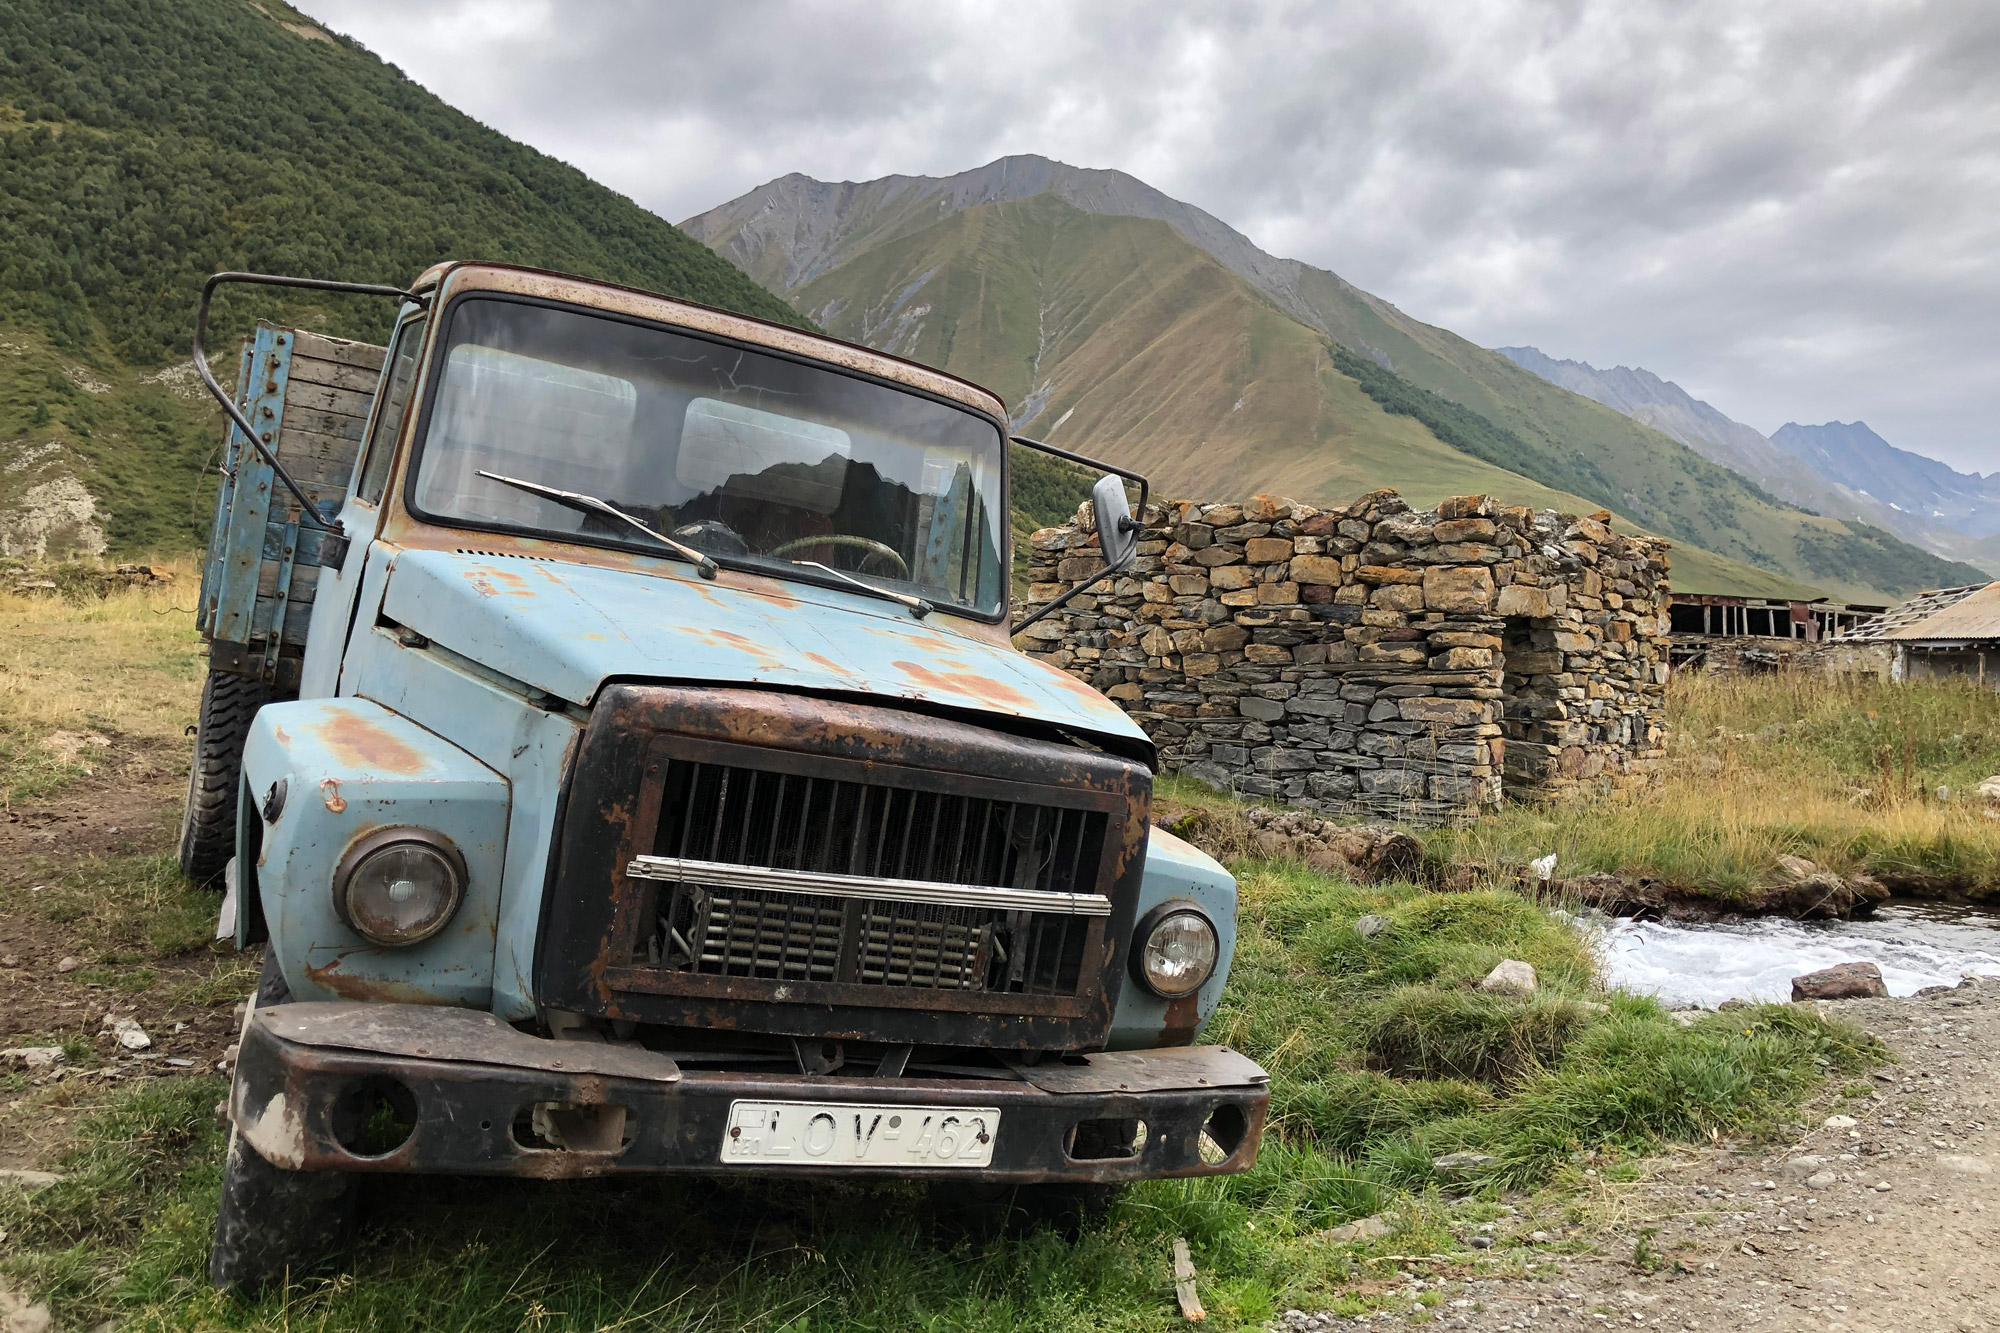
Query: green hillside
[(1628, 466), (1116, 318), (144, 146)]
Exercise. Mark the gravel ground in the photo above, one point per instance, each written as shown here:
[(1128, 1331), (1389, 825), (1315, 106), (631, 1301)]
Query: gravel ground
[(1887, 1222)]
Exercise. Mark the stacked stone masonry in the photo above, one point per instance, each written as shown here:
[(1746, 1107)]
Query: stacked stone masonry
[(1374, 659)]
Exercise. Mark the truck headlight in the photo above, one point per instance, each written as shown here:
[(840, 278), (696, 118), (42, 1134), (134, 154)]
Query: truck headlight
[(1177, 950), (399, 885)]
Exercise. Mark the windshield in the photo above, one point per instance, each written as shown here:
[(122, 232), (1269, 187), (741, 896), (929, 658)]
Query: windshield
[(756, 460)]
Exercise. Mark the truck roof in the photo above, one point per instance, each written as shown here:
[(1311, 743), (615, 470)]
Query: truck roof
[(455, 275)]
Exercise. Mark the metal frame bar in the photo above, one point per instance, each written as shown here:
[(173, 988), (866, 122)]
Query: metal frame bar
[(1145, 491), (722, 874), (334, 552)]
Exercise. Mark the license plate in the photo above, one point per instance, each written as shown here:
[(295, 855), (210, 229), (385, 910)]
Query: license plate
[(843, 1134)]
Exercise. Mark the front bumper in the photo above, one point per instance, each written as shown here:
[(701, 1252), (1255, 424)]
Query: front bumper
[(466, 1083)]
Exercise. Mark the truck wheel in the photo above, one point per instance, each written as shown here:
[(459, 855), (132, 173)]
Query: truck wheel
[(208, 821), (275, 1225)]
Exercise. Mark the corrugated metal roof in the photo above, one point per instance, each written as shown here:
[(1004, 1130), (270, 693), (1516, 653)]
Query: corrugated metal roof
[(1904, 615), (1974, 617)]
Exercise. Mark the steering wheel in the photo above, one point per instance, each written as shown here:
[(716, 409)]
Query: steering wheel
[(849, 542)]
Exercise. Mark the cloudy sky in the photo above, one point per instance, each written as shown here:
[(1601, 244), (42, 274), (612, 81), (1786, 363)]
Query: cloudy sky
[(1792, 209)]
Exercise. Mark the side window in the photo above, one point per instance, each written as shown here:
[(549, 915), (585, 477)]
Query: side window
[(389, 421)]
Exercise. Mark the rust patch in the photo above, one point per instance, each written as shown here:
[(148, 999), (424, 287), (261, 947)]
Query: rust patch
[(362, 743), (915, 637), (618, 815), (968, 682), (372, 990), (282, 736), (490, 582), (1183, 1019), (329, 791), (742, 643), (828, 664)]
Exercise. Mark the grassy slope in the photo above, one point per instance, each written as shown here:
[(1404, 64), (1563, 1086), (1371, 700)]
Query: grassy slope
[(136, 440), (144, 146), (1145, 348), (1604, 457), (1139, 338)]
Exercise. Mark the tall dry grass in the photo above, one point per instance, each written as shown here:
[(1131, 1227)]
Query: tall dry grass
[(87, 681), (1854, 774)]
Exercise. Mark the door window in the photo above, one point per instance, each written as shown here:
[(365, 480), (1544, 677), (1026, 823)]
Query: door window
[(396, 385)]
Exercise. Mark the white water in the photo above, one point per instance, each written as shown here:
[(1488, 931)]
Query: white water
[(1915, 945)]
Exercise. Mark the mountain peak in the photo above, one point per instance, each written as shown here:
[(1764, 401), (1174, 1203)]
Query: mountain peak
[(1850, 470), (1854, 455), (789, 231)]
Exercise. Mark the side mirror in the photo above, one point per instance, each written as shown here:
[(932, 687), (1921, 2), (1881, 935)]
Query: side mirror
[(1117, 531)]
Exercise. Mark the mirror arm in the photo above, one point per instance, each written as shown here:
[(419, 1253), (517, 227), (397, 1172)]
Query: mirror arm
[(1130, 524), (1064, 600)]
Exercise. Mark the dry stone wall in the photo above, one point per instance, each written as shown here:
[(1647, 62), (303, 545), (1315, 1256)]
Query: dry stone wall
[(1373, 659)]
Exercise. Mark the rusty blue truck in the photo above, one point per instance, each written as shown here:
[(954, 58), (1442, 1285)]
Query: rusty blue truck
[(614, 736)]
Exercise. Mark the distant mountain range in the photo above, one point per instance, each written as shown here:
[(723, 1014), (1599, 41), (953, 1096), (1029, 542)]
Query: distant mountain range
[(1117, 319), (1849, 472), (1850, 454)]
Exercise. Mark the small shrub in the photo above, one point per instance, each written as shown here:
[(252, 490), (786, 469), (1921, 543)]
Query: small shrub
[(1435, 1032)]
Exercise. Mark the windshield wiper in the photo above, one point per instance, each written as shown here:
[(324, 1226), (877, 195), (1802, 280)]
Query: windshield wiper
[(918, 606), (590, 504)]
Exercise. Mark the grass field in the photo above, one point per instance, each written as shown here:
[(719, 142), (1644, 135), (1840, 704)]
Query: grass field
[(1852, 773), (1383, 1058), (87, 682)]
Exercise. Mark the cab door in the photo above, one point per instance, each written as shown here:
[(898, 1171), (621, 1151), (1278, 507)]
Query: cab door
[(361, 511)]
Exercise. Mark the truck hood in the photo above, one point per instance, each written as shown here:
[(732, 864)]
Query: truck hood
[(568, 628)]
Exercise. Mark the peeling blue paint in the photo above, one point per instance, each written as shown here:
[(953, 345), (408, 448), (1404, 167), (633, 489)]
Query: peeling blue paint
[(567, 628), (1175, 869), (351, 767)]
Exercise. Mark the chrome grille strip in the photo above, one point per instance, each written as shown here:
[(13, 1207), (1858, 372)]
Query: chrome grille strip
[(722, 874)]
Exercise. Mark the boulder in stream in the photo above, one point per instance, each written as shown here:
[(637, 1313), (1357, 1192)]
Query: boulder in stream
[(1844, 981)]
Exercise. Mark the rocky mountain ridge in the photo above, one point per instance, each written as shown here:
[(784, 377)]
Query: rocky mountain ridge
[(1850, 454), (1919, 499)]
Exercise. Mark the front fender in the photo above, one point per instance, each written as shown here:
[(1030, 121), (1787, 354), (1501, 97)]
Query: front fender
[(1176, 870), (349, 767)]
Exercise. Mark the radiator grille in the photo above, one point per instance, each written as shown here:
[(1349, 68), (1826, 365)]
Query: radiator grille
[(782, 821), (785, 821)]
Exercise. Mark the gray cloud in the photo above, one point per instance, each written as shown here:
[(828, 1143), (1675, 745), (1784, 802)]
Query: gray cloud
[(1792, 209)]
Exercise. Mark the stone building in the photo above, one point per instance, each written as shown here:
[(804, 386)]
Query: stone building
[(1373, 659)]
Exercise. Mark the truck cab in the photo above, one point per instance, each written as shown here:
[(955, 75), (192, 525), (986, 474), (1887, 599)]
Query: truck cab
[(615, 737)]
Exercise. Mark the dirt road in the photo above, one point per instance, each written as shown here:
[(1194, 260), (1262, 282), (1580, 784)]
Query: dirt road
[(1890, 1222)]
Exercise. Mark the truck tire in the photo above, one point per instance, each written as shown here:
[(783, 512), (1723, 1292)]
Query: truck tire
[(274, 1226), (208, 821)]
